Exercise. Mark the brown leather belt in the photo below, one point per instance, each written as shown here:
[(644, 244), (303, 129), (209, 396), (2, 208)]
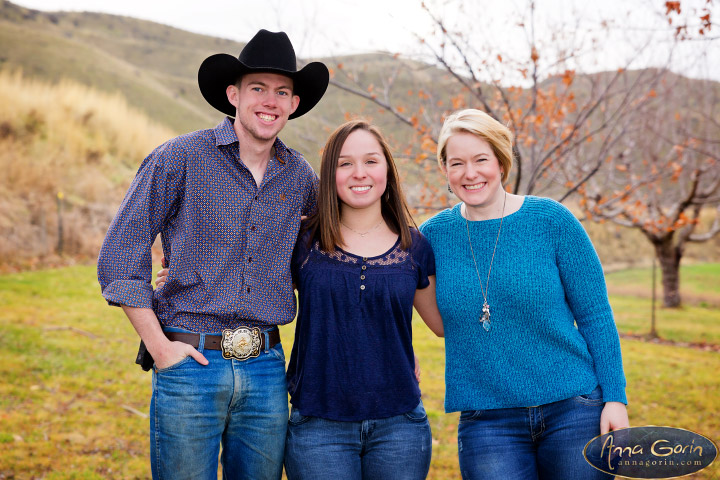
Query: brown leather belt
[(241, 343)]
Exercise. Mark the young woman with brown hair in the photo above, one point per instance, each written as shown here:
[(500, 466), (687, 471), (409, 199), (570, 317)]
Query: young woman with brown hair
[(359, 267)]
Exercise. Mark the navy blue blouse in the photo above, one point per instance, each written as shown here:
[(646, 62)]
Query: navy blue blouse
[(353, 358)]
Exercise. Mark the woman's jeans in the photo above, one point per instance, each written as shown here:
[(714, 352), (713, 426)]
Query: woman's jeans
[(395, 448), (239, 404), (544, 442)]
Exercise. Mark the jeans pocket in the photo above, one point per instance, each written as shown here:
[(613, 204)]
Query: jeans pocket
[(470, 415), (592, 399), (417, 414), (174, 365), (277, 352), (296, 418)]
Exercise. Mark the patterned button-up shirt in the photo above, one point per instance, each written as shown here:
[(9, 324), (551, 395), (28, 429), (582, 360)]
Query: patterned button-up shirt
[(228, 241)]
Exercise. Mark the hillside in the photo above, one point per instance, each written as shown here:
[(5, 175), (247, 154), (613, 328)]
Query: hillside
[(150, 70), (66, 168), (155, 67)]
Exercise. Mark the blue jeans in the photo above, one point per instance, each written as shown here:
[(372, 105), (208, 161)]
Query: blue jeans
[(239, 404), (544, 442), (395, 448)]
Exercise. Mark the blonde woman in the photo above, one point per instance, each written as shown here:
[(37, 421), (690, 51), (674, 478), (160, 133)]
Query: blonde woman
[(533, 358)]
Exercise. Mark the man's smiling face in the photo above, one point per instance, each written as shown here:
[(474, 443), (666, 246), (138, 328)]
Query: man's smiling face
[(263, 101)]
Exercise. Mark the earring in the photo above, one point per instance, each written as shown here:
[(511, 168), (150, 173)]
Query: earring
[(449, 189)]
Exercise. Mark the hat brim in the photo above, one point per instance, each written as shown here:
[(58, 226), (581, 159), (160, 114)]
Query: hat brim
[(220, 70)]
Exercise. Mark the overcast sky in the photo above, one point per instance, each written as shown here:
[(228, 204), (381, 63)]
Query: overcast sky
[(323, 28)]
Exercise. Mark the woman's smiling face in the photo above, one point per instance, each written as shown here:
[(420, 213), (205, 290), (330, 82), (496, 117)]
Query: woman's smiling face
[(361, 175), (473, 171)]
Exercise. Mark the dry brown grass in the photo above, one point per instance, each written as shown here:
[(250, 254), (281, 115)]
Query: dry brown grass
[(67, 153)]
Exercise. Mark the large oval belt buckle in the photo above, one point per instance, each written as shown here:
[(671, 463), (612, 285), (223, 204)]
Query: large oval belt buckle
[(241, 343)]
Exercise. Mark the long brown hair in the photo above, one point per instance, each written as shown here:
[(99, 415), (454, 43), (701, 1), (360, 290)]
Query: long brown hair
[(325, 223)]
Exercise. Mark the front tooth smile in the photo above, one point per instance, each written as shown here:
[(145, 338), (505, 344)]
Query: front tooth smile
[(477, 186), (266, 117), (360, 189)]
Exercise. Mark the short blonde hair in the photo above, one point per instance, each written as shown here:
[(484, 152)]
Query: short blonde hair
[(483, 126)]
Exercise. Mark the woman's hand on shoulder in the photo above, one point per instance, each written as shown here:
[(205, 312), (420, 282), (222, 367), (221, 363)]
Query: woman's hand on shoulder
[(614, 416)]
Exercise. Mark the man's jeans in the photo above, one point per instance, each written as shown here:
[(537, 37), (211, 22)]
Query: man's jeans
[(544, 442), (395, 448), (239, 404)]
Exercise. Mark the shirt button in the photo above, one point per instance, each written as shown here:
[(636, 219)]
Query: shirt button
[(362, 287), (362, 277), (364, 267), (248, 289), (252, 228), (364, 259), (256, 197), (249, 259)]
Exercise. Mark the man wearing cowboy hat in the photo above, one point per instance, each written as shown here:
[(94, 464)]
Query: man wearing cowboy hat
[(227, 204)]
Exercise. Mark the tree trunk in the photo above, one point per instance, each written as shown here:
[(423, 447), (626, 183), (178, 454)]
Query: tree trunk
[(669, 256), (653, 324)]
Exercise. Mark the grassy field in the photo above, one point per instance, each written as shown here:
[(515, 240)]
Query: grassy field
[(698, 321), (74, 406)]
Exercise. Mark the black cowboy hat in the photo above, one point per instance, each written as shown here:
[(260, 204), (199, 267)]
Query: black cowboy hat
[(265, 52)]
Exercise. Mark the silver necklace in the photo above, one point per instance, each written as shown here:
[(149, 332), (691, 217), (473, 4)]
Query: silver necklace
[(359, 233), (485, 318)]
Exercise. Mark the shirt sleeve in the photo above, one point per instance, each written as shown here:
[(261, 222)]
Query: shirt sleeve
[(125, 261), (584, 283), (300, 253), (311, 183), (423, 258)]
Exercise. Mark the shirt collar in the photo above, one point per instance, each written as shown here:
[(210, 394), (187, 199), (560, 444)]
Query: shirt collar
[(225, 135), (282, 153)]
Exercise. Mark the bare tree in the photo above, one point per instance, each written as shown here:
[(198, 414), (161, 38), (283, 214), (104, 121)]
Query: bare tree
[(667, 176), (552, 111), (611, 138)]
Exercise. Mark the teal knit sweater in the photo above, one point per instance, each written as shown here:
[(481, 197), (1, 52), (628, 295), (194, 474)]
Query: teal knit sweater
[(553, 335)]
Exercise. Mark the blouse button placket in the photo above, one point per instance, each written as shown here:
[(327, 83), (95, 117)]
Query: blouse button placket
[(362, 276)]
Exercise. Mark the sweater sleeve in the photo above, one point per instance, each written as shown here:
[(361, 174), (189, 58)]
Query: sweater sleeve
[(584, 283)]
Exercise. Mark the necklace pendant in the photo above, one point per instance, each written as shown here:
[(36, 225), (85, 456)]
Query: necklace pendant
[(485, 319), (486, 324)]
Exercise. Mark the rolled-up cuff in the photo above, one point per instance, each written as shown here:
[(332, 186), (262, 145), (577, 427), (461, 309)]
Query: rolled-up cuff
[(131, 293)]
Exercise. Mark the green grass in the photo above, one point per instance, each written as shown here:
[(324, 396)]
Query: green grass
[(69, 381), (67, 377), (697, 321), (687, 324), (695, 280)]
